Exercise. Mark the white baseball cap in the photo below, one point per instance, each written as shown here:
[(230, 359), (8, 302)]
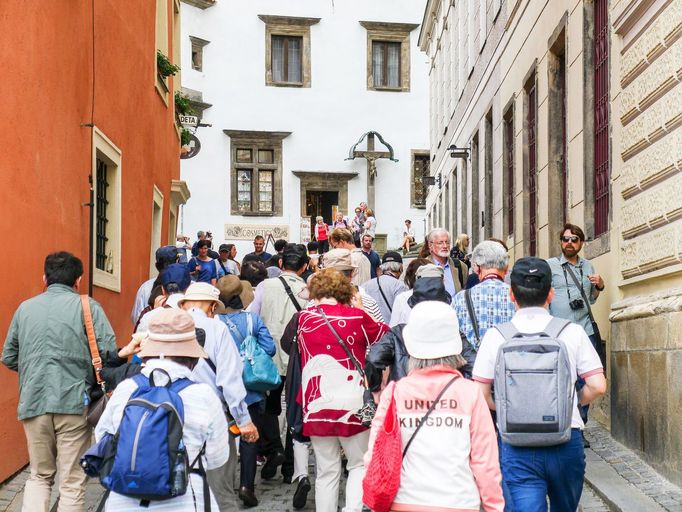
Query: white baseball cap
[(432, 331)]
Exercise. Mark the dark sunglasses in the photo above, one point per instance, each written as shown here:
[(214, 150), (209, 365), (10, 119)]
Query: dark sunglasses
[(572, 239)]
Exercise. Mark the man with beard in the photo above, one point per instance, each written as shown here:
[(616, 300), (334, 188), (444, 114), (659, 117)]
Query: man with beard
[(569, 302)]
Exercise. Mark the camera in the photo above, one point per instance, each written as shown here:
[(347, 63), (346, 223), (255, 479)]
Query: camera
[(576, 304), (209, 235)]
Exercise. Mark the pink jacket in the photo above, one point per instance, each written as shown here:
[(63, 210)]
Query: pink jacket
[(452, 464)]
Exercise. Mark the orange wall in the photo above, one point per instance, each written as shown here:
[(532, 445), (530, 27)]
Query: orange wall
[(45, 161)]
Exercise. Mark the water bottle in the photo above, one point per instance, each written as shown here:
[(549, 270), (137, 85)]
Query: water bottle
[(179, 474)]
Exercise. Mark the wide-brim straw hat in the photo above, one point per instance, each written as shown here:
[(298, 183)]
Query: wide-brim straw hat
[(172, 334), (201, 292)]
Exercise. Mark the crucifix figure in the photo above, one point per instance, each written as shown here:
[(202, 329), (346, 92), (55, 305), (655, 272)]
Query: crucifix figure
[(371, 156)]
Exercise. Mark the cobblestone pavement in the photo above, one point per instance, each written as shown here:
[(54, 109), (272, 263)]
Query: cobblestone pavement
[(633, 469), (273, 496)]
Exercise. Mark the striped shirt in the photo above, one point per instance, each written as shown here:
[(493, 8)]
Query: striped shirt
[(204, 423)]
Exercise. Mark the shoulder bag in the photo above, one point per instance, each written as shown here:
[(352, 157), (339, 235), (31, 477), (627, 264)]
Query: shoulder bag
[(597, 335), (382, 478), (98, 397), (369, 408), (260, 372)]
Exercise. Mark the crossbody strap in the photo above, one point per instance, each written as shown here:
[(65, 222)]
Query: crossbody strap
[(472, 316), (428, 413), (582, 291), (356, 363), (92, 341), (388, 304), (290, 294), (230, 324)]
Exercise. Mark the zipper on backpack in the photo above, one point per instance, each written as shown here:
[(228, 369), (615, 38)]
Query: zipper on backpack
[(133, 459), (509, 372)]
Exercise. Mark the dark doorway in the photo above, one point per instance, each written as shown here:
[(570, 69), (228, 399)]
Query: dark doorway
[(321, 203)]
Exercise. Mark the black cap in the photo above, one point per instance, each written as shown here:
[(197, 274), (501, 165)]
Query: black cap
[(532, 272), (223, 247), (390, 256)]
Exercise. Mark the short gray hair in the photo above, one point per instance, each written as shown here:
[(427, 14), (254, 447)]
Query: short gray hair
[(391, 266), (455, 361), (489, 254), (437, 231)]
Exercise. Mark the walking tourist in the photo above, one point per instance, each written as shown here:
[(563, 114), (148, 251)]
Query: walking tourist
[(370, 227), (340, 222), (223, 264), (370, 254), (172, 348), (385, 287), (259, 249), (47, 345), (333, 335), (322, 234), (459, 250), (532, 469), (357, 225), (431, 287), (449, 447), (487, 304), (343, 239), (201, 266), (166, 255)]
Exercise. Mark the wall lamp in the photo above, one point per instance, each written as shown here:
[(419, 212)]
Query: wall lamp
[(429, 181), (456, 152)]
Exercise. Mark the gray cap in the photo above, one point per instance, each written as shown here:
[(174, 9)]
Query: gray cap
[(429, 270)]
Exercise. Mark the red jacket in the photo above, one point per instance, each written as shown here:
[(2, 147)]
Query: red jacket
[(331, 386)]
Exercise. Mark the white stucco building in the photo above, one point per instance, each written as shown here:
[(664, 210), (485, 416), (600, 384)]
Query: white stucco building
[(288, 88)]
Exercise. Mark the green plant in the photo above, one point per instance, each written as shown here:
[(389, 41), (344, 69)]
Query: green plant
[(165, 67), (182, 104), (185, 136)]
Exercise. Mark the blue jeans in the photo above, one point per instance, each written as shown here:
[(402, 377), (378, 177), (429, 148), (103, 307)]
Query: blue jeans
[(533, 474)]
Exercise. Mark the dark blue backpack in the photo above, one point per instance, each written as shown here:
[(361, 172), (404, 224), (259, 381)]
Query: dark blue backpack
[(150, 461)]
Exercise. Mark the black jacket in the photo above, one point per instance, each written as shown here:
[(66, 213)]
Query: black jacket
[(388, 352)]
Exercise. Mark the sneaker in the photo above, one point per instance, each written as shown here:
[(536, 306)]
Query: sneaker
[(260, 460), (269, 469), (301, 494), (248, 497)]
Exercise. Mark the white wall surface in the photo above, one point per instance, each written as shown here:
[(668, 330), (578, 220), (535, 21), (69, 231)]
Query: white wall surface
[(325, 119)]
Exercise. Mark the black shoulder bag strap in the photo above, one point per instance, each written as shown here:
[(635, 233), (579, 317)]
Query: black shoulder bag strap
[(222, 266), (595, 327), (428, 413), (472, 316), (388, 304), (356, 363), (290, 294)]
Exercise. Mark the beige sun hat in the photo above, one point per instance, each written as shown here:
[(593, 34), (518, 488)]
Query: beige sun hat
[(172, 334), (202, 292), (340, 259)]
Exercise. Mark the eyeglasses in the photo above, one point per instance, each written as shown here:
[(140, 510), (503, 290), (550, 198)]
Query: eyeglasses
[(572, 239), (441, 242)]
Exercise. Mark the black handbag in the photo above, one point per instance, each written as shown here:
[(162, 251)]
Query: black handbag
[(292, 385)]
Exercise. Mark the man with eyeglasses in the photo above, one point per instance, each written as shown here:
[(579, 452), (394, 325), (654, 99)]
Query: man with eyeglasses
[(569, 299), (455, 272)]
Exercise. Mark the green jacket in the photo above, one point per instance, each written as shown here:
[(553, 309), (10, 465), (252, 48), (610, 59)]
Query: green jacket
[(47, 345)]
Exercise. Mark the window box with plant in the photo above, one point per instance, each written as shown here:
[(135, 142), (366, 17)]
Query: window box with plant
[(164, 68)]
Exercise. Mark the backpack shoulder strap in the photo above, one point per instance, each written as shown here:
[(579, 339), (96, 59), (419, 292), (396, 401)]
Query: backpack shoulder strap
[(508, 330), (233, 328), (141, 380), (180, 384), (555, 327)]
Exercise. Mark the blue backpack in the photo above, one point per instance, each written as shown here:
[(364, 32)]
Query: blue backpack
[(149, 457)]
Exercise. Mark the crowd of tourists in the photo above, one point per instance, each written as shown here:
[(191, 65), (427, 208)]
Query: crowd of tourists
[(450, 383)]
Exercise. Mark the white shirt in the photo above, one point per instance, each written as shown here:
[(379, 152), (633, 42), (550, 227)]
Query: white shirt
[(401, 309), (204, 423), (582, 355), (141, 299)]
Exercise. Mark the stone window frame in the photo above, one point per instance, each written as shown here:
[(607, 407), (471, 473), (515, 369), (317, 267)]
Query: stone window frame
[(104, 149), (294, 27), (198, 47), (413, 154), (391, 33), (255, 140)]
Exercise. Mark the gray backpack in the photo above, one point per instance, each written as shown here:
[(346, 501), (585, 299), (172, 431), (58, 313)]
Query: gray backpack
[(534, 387)]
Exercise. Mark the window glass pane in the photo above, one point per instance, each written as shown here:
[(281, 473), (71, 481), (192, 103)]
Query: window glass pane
[(265, 156), (244, 190), (393, 78), (278, 59), (294, 56), (244, 156), (378, 63), (265, 191), (101, 204)]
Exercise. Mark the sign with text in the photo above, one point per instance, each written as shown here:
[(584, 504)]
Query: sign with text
[(305, 230), (249, 231), (189, 120)]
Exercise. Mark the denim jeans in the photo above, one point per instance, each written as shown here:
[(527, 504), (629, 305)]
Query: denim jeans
[(533, 474)]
